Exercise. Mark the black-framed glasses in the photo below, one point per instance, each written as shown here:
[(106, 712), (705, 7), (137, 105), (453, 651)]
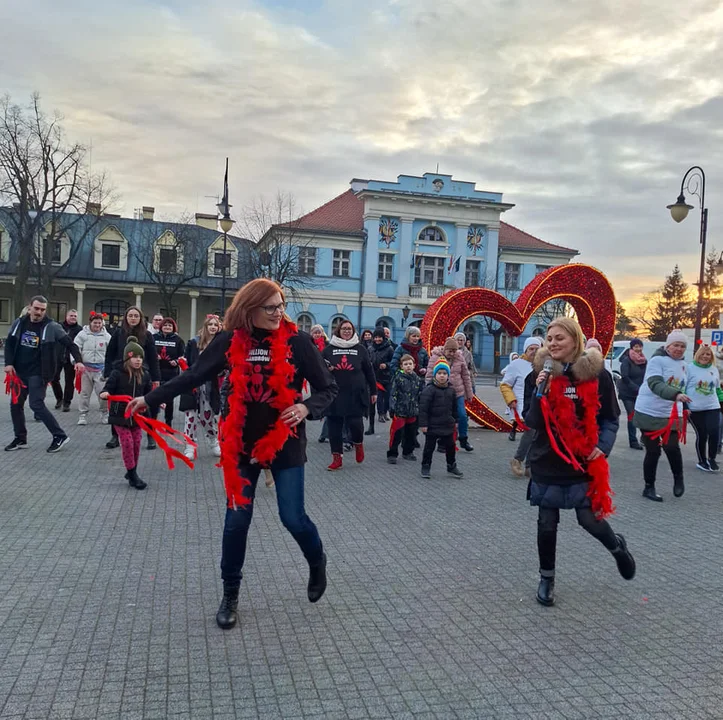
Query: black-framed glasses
[(273, 309)]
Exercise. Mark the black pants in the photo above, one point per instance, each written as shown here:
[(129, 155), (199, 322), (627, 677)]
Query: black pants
[(335, 426), (707, 430), (652, 455), (629, 406), (446, 441), (405, 435), (547, 521), (168, 413), (64, 396), (34, 391)]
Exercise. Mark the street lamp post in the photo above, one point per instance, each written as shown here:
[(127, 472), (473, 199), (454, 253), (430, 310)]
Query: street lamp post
[(694, 183), (226, 223)]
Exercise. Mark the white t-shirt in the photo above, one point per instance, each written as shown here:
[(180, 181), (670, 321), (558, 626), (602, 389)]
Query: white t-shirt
[(515, 374), (674, 373), (701, 386)]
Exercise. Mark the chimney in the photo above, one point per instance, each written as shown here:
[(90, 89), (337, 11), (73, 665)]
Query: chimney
[(92, 208), (204, 220), (148, 212)]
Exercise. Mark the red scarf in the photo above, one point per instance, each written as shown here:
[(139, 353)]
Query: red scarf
[(573, 439), (231, 427)]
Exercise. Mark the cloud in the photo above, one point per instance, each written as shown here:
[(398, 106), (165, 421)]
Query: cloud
[(585, 115)]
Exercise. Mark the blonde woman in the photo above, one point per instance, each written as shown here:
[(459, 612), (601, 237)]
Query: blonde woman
[(203, 404), (702, 388)]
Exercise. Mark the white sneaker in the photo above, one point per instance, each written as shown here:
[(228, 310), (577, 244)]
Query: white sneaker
[(190, 452), (104, 419), (216, 449), (82, 420)]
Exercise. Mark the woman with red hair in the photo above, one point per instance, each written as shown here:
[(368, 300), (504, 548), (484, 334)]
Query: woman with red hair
[(262, 424)]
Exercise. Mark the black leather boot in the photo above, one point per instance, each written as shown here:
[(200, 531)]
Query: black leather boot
[(317, 580), (649, 492), (134, 480), (464, 444), (678, 486), (227, 614), (114, 442), (546, 591), (624, 559)]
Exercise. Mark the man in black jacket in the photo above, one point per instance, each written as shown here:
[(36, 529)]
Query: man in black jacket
[(32, 353), (63, 398)]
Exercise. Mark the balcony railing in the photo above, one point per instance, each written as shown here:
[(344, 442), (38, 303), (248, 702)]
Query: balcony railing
[(427, 292)]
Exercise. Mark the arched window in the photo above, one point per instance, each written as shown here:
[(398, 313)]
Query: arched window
[(304, 321), (334, 323), (114, 309), (538, 332), (384, 321), (431, 233)]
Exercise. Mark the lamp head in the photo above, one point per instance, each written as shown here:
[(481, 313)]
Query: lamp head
[(226, 223), (680, 209)]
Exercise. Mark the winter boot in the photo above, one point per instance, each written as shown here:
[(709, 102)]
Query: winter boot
[(114, 442), (359, 451), (546, 591), (335, 461), (134, 480), (426, 471), (227, 614), (464, 444), (454, 470), (678, 486), (624, 559), (317, 580), (513, 434), (649, 492), (370, 429)]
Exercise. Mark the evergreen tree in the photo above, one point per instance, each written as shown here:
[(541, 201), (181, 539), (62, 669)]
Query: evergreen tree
[(624, 327), (711, 292), (674, 307)]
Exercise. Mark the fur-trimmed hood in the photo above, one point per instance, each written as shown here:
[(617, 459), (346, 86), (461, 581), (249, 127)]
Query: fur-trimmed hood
[(587, 367)]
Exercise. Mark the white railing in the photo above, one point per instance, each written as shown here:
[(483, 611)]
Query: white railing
[(427, 292)]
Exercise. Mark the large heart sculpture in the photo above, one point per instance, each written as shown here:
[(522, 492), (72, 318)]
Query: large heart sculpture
[(583, 286)]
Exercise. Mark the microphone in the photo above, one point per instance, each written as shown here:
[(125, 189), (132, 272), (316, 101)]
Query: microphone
[(547, 371)]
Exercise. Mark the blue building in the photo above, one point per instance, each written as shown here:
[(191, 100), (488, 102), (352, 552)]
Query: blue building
[(382, 252)]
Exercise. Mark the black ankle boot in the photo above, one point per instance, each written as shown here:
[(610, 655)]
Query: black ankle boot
[(624, 559), (464, 444), (134, 480), (546, 591), (317, 580), (678, 486), (649, 492), (227, 614), (512, 435), (113, 443)]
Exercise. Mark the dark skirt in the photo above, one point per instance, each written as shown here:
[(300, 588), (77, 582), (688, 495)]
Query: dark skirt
[(564, 497)]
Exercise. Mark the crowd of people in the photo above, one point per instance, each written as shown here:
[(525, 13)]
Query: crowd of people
[(248, 382)]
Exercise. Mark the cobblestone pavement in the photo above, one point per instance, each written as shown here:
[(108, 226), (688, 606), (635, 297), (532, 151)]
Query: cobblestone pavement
[(108, 595)]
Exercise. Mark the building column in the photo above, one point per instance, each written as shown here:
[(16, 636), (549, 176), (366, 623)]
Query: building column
[(193, 294), (139, 294), (79, 287), (461, 251), (406, 246), (371, 263)]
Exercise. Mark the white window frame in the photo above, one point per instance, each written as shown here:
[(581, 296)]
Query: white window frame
[(217, 247), (307, 261), (110, 235), (434, 230), (5, 305), (507, 343), (161, 250), (467, 269), (103, 245), (433, 263), (386, 266), (509, 274), (341, 261), (308, 318)]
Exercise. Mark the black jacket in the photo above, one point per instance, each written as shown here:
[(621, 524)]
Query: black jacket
[(114, 356), (72, 331), (53, 339), (168, 347), (438, 409), (631, 377), (405, 393), (260, 415), (382, 354), (121, 383), (189, 400), (353, 373)]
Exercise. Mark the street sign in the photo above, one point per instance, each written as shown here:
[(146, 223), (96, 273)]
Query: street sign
[(716, 337)]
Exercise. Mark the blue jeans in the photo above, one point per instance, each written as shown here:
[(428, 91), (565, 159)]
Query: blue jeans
[(35, 390), (290, 498), (462, 419)]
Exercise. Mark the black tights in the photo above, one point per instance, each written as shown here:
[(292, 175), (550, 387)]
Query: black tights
[(652, 455), (547, 521), (336, 429)]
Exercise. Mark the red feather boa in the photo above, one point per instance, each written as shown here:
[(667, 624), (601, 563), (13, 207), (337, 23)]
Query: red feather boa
[(573, 439), (231, 427), (13, 387), (78, 380)]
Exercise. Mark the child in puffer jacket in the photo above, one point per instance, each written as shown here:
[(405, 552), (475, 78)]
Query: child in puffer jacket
[(406, 389)]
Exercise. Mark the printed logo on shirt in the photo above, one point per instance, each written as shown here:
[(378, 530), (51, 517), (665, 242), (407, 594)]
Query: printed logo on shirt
[(704, 388), (29, 339), (674, 382), (571, 392)]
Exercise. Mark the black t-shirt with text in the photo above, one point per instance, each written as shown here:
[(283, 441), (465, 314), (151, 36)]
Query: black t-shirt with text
[(27, 356)]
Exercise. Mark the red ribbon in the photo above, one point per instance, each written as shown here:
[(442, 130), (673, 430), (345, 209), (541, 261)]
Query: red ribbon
[(380, 387), (183, 363), (664, 433), (397, 424), (159, 431), (13, 387), (78, 380), (520, 422)]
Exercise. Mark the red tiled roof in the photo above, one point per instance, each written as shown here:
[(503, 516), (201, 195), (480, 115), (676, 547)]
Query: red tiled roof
[(345, 214)]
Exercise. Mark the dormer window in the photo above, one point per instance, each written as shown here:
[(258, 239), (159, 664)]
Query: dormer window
[(110, 255)]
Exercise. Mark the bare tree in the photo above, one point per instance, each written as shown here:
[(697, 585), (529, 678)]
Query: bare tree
[(553, 309), (172, 254), (282, 250), (54, 200)]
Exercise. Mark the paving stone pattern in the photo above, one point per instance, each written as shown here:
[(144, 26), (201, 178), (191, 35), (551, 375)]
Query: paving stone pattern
[(108, 595)]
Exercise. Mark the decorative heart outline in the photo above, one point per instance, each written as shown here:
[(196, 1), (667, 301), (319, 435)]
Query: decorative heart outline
[(583, 286)]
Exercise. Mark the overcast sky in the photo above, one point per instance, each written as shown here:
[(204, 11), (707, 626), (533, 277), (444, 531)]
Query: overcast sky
[(584, 114)]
